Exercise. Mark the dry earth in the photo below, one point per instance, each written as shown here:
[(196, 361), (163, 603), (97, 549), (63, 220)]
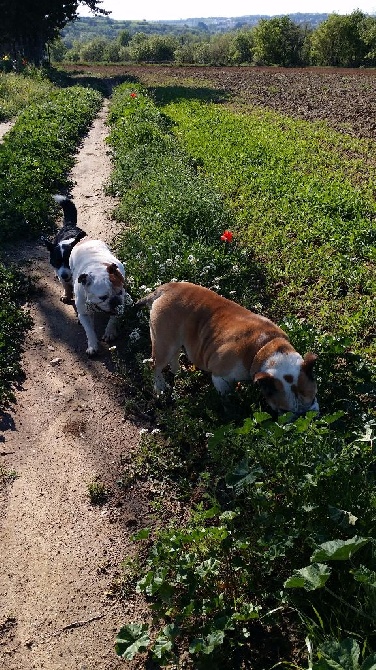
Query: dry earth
[(61, 555)]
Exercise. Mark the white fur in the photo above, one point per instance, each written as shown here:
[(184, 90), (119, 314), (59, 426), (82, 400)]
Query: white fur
[(280, 365), (90, 258)]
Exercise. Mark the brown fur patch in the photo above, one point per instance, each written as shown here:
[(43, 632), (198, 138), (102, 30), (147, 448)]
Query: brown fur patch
[(116, 278)]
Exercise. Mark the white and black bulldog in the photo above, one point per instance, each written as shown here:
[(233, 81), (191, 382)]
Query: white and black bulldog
[(98, 286), (61, 246)]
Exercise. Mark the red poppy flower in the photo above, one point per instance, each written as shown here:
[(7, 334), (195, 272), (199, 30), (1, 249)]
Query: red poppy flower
[(227, 236), (133, 95)]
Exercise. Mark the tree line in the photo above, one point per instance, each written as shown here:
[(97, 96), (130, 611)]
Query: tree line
[(29, 29), (340, 41)]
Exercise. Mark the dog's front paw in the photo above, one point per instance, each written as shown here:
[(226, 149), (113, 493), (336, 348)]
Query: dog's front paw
[(109, 336), (160, 385), (111, 332), (91, 351)]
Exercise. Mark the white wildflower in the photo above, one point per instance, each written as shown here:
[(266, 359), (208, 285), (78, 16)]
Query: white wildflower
[(127, 299), (135, 335)]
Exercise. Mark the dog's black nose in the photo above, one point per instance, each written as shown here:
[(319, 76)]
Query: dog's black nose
[(115, 301), (66, 275)]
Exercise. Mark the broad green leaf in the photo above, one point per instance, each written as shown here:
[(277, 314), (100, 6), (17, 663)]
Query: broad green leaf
[(243, 475), (217, 437), (132, 639), (365, 576), (209, 567), (338, 550), (196, 645), (143, 534), (310, 578), (260, 417), (162, 647), (213, 640), (247, 612), (369, 663), (340, 655)]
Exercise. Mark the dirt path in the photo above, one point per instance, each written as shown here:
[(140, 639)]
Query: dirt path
[(60, 554), (5, 126)]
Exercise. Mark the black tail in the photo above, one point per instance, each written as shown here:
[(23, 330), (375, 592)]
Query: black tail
[(69, 209)]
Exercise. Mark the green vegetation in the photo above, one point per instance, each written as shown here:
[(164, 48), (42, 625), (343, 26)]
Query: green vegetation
[(36, 155), (7, 476), (277, 543), (18, 91), (97, 492), (14, 323), (35, 158), (295, 194), (295, 40)]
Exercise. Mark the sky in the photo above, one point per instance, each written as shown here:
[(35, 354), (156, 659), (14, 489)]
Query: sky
[(160, 10)]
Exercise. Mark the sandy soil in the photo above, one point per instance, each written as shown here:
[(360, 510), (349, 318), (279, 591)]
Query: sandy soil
[(60, 555), (4, 127)]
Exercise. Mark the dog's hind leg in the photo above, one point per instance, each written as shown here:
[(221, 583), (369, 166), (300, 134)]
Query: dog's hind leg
[(162, 357)]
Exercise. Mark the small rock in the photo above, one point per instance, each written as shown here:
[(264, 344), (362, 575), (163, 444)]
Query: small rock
[(55, 361)]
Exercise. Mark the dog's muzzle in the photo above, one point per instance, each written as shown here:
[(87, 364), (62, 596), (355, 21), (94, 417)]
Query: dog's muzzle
[(313, 408), (115, 311), (65, 275), (115, 302)]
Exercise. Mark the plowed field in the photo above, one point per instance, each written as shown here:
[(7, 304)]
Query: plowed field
[(345, 98)]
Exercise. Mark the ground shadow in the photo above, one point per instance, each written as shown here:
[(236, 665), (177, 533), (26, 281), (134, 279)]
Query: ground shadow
[(163, 95), (104, 84)]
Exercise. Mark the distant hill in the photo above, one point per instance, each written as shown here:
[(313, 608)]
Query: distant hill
[(86, 28)]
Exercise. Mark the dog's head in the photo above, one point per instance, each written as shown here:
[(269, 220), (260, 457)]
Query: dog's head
[(104, 290), (60, 251), (287, 382)]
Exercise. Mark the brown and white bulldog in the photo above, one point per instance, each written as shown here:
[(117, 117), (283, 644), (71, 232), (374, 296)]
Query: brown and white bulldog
[(98, 286), (229, 341)]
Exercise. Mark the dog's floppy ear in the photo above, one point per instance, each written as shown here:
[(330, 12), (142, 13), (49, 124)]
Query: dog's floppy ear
[(47, 243), (308, 364), (267, 383), (117, 276)]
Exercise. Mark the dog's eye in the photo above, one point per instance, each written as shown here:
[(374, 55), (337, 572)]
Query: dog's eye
[(103, 297)]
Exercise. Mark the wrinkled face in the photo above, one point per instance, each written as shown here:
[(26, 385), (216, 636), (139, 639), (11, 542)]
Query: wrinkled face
[(287, 383), (105, 290)]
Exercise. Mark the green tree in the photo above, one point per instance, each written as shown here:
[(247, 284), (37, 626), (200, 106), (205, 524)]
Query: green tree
[(367, 31), (58, 50), (278, 41), (219, 49), (339, 41), (27, 25), (152, 48), (93, 51), (124, 38), (241, 47)]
